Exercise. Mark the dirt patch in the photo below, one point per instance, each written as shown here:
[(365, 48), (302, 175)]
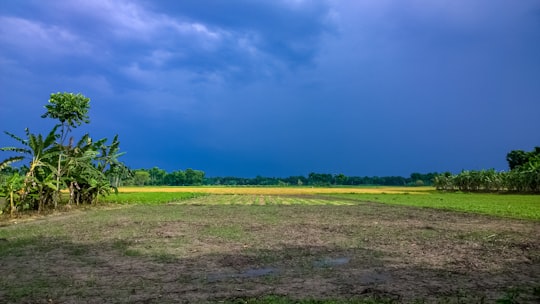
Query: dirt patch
[(162, 254)]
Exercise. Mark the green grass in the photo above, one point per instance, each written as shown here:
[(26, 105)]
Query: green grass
[(502, 205), (149, 197), (230, 232)]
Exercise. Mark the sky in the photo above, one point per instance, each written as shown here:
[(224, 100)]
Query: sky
[(283, 87)]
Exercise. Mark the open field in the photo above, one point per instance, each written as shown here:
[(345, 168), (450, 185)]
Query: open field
[(259, 248), (278, 190), (505, 205)]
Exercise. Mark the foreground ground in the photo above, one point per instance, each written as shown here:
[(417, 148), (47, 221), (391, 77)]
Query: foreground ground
[(220, 248)]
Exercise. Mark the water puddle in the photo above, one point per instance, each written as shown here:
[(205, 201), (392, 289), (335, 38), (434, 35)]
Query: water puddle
[(331, 262), (253, 273)]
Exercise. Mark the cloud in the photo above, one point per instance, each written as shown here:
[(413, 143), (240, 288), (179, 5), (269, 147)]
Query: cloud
[(32, 37), (269, 38)]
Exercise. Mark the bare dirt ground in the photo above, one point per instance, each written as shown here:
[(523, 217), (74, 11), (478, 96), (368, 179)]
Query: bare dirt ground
[(197, 253)]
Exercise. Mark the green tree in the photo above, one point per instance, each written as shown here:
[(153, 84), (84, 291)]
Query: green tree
[(141, 177), (175, 178), (68, 108), (71, 110), (340, 179), (517, 158), (157, 176), (194, 177)]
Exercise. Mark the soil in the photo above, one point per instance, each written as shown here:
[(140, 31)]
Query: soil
[(370, 250)]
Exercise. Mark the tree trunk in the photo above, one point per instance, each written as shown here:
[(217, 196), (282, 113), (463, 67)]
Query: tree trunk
[(12, 205), (71, 193), (57, 192)]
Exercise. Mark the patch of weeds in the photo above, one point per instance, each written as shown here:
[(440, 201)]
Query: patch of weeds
[(511, 296), (77, 250), (232, 233), (12, 247), (121, 245), (132, 253), (31, 289), (16, 294)]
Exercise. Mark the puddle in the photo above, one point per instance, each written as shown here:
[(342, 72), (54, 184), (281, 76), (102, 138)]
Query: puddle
[(331, 262), (249, 273)]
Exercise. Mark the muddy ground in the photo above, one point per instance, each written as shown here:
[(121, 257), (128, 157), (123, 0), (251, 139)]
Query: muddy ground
[(195, 253)]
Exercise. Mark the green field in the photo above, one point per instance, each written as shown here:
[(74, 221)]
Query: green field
[(175, 247), (504, 205)]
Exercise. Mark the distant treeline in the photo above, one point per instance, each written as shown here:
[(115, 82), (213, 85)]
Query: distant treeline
[(325, 179), (159, 177)]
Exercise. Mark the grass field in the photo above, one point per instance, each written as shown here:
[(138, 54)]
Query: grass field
[(505, 205), (276, 247)]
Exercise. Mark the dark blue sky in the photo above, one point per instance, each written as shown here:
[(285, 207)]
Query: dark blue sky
[(283, 87)]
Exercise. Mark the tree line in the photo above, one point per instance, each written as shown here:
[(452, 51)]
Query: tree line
[(523, 176), (85, 168), (159, 177), (325, 179)]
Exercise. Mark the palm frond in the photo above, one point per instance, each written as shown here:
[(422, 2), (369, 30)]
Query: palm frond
[(85, 140), (15, 149), (51, 137), (17, 138), (5, 163)]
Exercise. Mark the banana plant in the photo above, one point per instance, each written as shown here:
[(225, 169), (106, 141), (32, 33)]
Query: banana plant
[(42, 154), (12, 188), (108, 162), (78, 162)]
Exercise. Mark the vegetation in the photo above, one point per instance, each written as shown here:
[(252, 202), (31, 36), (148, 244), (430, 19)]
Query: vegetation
[(508, 205), (149, 197), (523, 177), (84, 168), (250, 190), (326, 179), (156, 176), (511, 205), (159, 177)]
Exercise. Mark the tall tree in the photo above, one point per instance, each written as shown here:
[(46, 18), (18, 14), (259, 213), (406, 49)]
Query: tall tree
[(71, 110)]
